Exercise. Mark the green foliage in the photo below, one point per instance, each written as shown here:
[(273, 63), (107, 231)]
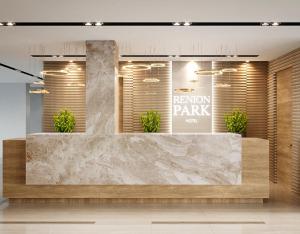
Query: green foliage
[(236, 121), (64, 121), (150, 121)]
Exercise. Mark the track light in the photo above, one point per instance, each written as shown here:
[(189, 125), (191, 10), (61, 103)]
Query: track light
[(1, 24), (265, 24), (10, 24), (187, 23), (98, 24), (88, 24), (176, 24), (275, 24)]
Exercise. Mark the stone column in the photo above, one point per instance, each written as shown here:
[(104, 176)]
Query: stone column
[(101, 72)]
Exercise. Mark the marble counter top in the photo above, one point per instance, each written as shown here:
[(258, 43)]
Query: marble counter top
[(187, 159)]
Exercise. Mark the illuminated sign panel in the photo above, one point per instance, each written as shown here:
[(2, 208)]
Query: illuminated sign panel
[(192, 98)]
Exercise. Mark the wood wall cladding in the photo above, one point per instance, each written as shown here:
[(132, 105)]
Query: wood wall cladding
[(140, 96), (245, 89), (66, 92), (290, 60)]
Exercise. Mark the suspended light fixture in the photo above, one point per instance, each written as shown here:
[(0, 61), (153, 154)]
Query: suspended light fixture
[(158, 65), (39, 82), (136, 67), (39, 91), (54, 72), (211, 72), (184, 90)]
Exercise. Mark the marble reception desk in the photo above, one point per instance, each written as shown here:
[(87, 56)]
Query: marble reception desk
[(133, 159)]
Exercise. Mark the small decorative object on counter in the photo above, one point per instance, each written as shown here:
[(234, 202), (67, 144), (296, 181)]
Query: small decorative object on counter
[(64, 121), (236, 121), (151, 121)]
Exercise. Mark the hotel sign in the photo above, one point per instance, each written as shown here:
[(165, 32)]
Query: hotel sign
[(191, 100)]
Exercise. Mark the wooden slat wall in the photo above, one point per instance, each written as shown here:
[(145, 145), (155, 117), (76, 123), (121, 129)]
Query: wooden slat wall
[(290, 60), (256, 101), (227, 98), (64, 93), (138, 96), (248, 92)]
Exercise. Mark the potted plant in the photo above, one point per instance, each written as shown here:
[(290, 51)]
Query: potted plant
[(64, 121), (236, 121), (150, 121)]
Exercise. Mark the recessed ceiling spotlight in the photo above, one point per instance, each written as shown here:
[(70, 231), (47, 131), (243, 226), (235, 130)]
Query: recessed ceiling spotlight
[(275, 24), (1, 24), (176, 24), (10, 24), (98, 23), (88, 24), (265, 24), (186, 23)]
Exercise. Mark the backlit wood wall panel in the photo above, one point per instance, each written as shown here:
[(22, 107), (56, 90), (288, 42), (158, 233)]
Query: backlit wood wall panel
[(245, 89), (139, 96), (290, 60), (66, 92)]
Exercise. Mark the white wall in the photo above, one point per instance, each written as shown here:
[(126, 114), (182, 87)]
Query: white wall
[(12, 114)]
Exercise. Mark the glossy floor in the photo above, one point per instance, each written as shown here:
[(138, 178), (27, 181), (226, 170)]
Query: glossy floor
[(140, 219)]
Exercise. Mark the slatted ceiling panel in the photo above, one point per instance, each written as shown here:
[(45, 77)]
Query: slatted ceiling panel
[(256, 102), (227, 98), (291, 59), (64, 94), (138, 96)]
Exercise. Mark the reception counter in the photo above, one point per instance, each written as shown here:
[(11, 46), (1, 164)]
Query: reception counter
[(133, 159), (254, 180)]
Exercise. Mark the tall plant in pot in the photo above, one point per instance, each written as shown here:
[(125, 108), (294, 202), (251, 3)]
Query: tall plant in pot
[(236, 121), (150, 121)]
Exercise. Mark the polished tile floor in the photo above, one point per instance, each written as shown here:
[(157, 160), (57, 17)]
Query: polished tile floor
[(146, 219)]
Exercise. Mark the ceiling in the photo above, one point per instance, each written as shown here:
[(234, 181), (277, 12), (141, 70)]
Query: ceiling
[(17, 43)]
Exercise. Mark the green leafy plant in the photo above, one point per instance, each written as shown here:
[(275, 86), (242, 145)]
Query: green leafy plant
[(64, 121), (150, 121), (236, 121)]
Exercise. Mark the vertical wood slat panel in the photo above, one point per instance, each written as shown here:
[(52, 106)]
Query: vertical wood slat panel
[(291, 59), (66, 92), (138, 96)]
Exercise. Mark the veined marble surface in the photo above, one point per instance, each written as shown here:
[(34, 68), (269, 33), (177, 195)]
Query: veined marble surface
[(134, 159)]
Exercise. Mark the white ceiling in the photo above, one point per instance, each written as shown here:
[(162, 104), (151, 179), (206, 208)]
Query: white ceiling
[(17, 43)]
